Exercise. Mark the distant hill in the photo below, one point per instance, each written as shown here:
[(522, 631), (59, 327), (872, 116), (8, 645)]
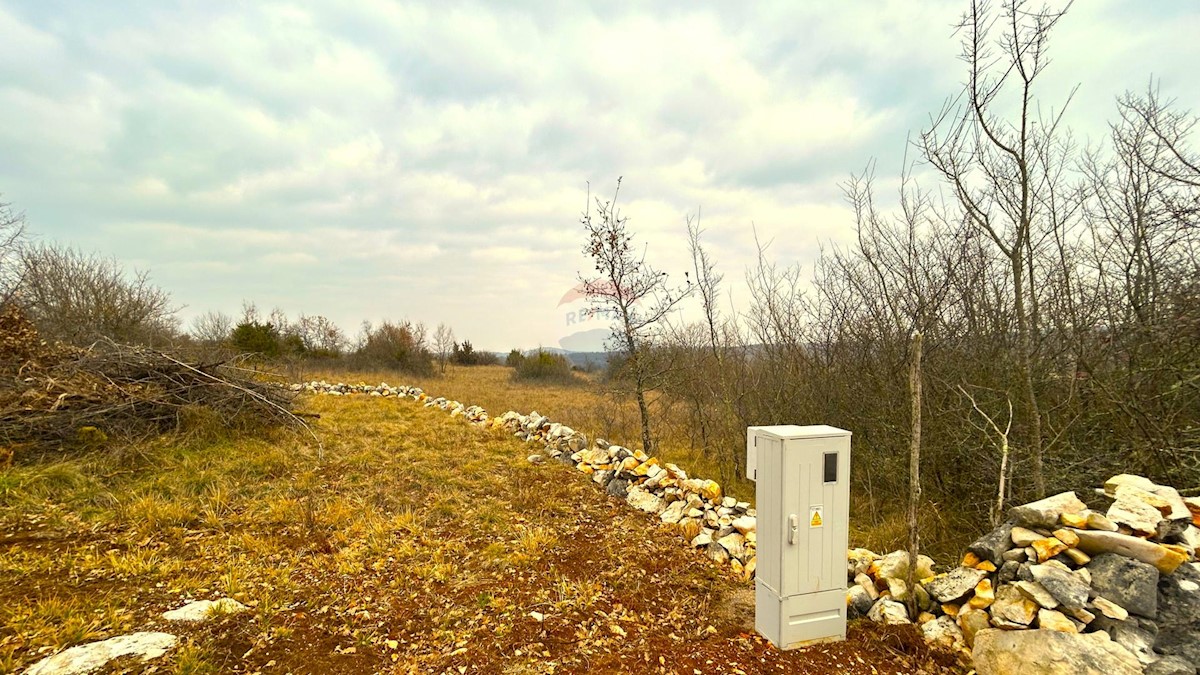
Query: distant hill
[(585, 360)]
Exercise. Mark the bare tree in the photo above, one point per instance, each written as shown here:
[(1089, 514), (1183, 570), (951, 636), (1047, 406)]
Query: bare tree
[(991, 163), (212, 326), (319, 335), (12, 230), (632, 292), (443, 344), (77, 298)]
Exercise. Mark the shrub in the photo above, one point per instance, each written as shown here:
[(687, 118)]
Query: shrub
[(258, 338), (514, 359), (544, 366), (396, 346), (78, 298)]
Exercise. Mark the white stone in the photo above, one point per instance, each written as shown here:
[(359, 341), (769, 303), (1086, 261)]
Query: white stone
[(745, 524), (203, 609), (94, 655)]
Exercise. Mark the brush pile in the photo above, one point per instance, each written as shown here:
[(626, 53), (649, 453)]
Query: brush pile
[(54, 397)]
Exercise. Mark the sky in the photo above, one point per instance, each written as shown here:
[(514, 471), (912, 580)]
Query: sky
[(429, 161)]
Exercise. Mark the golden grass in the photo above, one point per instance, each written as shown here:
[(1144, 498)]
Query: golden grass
[(588, 407), (417, 544)]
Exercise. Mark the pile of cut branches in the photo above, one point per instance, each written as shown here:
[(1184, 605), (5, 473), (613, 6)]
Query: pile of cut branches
[(53, 397)]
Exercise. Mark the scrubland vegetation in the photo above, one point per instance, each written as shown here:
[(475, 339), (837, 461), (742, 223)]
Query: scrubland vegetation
[(1052, 286)]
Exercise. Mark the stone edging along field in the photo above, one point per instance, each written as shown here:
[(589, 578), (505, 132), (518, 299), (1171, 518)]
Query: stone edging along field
[(721, 525), (1118, 589)]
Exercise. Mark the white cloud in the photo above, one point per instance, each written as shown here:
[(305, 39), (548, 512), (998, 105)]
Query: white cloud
[(430, 160)]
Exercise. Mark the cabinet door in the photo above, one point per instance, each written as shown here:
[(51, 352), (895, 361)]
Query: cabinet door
[(814, 473)]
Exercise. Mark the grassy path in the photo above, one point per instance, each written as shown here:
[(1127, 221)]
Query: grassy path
[(419, 545)]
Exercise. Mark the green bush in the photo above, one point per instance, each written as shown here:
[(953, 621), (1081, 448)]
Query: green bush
[(544, 366), (258, 338)]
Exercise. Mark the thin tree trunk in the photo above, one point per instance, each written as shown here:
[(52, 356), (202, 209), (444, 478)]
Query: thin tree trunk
[(645, 413), (1025, 366), (914, 470)]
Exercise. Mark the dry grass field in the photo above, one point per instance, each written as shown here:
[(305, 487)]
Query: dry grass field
[(416, 544), (877, 523)]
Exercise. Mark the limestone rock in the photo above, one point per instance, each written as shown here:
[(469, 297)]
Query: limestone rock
[(1139, 641), (1133, 510), (618, 487), (972, 621), (1129, 583), (1048, 652), (640, 499), (1074, 519), (203, 609), (1048, 548), (1012, 609), (1109, 608), (1037, 593), (954, 584), (1171, 665), (893, 565), (1094, 542), (1008, 572), (1193, 505), (1023, 537), (94, 655), (734, 543), (673, 513), (1048, 619), (1179, 597), (898, 588), (867, 584), (858, 602), (1045, 512), (745, 524), (1070, 591), (1066, 536), (943, 630), (984, 595), (1111, 485), (1077, 557), (1099, 521), (992, 545), (1181, 641), (889, 612), (858, 560), (717, 553)]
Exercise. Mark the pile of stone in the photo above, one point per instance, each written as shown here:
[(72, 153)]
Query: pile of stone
[(343, 389), (722, 526), (1118, 589)]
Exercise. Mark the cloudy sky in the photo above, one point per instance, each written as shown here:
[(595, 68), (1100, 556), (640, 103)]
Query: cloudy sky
[(429, 160)]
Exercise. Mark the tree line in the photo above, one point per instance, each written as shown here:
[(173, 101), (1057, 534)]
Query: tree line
[(1022, 316)]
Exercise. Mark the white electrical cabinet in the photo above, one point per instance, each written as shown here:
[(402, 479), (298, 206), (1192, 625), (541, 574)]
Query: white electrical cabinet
[(802, 476)]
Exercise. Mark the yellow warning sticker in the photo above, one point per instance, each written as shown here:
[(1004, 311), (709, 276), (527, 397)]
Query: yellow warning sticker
[(814, 516)]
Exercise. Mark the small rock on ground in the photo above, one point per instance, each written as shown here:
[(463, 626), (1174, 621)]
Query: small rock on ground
[(94, 655)]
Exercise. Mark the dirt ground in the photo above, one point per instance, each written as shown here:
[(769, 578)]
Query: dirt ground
[(415, 543)]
